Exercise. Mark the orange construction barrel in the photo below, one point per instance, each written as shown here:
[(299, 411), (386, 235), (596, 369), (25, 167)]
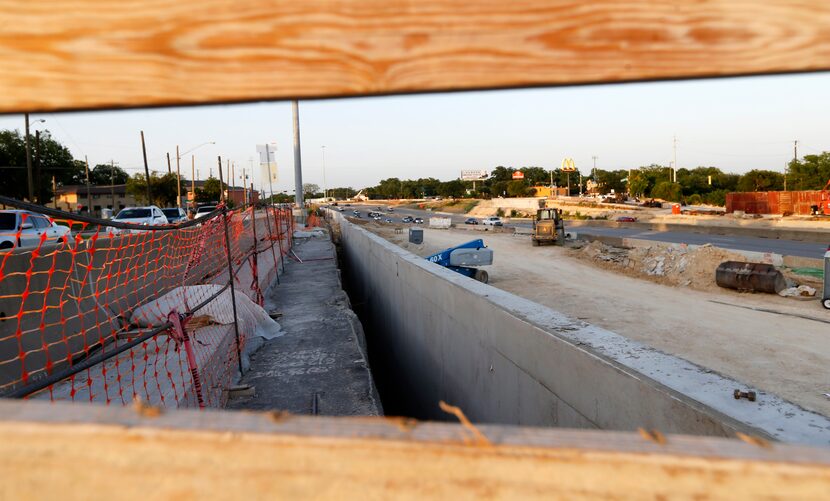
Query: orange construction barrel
[(675, 208)]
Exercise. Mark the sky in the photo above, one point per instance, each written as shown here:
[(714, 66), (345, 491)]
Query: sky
[(736, 124)]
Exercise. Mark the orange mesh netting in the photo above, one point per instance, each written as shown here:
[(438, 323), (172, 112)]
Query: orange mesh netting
[(67, 301)]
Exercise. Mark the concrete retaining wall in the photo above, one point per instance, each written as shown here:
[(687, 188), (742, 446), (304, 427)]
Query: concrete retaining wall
[(503, 359)]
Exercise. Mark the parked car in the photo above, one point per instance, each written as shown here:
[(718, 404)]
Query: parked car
[(418, 220), (149, 215), (626, 219), (471, 220), (204, 211), (175, 214), (493, 221), (17, 232), (406, 219)]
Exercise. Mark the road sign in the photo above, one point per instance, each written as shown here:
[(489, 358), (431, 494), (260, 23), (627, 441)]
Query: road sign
[(518, 174), (568, 165), (474, 175)]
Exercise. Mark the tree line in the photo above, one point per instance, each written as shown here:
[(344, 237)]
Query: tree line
[(698, 185)]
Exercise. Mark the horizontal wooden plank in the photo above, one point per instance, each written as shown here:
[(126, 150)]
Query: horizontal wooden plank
[(82, 54), (75, 451)]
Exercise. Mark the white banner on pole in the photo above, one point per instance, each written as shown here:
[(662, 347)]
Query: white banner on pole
[(268, 162)]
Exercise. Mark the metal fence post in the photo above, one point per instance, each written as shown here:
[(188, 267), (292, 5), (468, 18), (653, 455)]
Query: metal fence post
[(233, 289), (255, 259)]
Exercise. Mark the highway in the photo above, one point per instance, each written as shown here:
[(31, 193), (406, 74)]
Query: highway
[(754, 244)]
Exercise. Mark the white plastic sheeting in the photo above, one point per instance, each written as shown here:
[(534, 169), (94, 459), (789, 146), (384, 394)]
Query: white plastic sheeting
[(252, 318)]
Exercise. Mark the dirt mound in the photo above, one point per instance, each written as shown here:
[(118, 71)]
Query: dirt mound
[(668, 264)]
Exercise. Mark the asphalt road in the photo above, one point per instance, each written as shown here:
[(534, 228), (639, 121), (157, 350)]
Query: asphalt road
[(755, 244)]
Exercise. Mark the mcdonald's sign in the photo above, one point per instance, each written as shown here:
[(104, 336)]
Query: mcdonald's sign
[(568, 165), (517, 174)]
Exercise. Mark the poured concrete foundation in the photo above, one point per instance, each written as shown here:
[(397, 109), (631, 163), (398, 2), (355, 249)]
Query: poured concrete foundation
[(436, 335)]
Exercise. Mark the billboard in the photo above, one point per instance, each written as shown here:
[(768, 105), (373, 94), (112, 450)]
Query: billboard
[(267, 161), (568, 165), (518, 174), (474, 175)]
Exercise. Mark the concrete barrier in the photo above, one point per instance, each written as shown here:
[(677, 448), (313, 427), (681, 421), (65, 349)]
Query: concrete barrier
[(437, 335)]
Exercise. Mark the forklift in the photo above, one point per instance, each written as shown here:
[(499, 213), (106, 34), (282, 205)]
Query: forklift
[(548, 227)]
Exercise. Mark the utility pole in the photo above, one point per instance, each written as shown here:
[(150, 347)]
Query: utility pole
[(233, 182), (88, 196), (325, 186), (595, 167), (228, 180), (178, 177), (298, 168), (245, 193), (37, 168), (146, 172), (112, 182), (29, 163), (168, 159), (193, 179), (674, 169), (221, 191)]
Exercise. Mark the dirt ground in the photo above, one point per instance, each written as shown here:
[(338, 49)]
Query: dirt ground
[(784, 350)]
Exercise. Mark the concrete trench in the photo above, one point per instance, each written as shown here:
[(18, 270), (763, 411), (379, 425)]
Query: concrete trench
[(435, 335)]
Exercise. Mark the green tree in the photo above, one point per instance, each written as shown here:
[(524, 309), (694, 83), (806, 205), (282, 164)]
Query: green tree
[(163, 188), (342, 193), (49, 158), (454, 188), (761, 180), (667, 191), (104, 174), (517, 188), (311, 190), (210, 191), (811, 173)]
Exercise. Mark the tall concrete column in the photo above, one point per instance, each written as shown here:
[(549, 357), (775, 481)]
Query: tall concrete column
[(298, 167)]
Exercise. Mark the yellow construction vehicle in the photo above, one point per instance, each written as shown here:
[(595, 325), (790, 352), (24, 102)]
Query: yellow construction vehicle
[(548, 227)]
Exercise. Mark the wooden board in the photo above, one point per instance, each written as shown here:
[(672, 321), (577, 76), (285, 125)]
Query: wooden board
[(82, 54), (76, 451)]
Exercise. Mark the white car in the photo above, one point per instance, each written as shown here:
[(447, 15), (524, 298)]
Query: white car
[(174, 214), (15, 232), (149, 215), (204, 211), (492, 221)]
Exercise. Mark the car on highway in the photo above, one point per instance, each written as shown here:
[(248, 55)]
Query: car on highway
[(390, 209), (340, 209), (21, 228), (471, 220), (406, 219), (493, 221), (388, 220), (149, 215), (626, 219), (175, 214), (204, 211), (418, 220)]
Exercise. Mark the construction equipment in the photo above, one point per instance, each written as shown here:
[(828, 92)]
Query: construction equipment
[(824, 208), (462, 259), (548, 227)]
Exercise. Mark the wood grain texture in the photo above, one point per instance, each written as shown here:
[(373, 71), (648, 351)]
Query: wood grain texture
[(74, 451), (81, 54)]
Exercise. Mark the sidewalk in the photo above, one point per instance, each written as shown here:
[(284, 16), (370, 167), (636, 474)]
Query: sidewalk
[(319, 365)]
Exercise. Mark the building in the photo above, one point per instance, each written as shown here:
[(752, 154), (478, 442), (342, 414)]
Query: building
[(546, 191), (241, 196), (73, 198)]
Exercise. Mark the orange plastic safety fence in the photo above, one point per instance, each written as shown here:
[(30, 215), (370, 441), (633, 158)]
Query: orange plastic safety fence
[(68, 297)]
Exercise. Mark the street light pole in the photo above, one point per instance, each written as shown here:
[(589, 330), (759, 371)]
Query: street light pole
[(178, 178), (29, 164), (325, 186), (298, 167)]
